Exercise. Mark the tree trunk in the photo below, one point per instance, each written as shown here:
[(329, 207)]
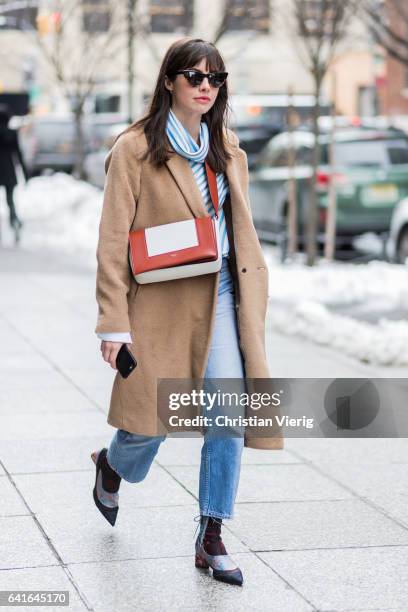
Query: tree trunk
[(330, 241), (79, 170), (292, 185), (313, 201), (131, 7)]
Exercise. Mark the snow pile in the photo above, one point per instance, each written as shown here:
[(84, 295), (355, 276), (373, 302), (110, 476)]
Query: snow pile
[(300, 298), (340, 283), (383, 344), (61, 213)]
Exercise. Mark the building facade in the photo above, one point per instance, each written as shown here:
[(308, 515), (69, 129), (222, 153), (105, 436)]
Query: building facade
[(258, 43)]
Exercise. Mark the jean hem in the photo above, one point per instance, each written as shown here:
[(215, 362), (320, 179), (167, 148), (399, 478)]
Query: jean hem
[(221, 515)]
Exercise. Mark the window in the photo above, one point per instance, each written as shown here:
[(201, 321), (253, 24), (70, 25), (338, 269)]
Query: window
[(319, 16), (21, 17), (304, 156), (398, 151), (248, 15), (107, 103), (372, 152), (95, 16), (171, 16), (256, 115)]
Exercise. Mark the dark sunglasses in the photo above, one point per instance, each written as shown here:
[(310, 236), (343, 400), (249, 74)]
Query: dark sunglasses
[(195, 78)]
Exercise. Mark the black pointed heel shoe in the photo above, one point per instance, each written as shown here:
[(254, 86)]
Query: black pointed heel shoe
[(106, 500), (210, 552)]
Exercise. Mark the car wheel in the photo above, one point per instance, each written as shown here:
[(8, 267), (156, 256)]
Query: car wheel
[(402, 248)]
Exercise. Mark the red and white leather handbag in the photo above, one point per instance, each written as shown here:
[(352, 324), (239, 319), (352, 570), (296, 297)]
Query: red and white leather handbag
[(180, 249)]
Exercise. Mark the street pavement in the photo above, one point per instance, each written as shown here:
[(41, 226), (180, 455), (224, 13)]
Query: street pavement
[(319, 525)]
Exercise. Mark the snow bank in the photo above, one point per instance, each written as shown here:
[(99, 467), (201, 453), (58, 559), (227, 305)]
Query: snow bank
[(59, 213), (301, 297)]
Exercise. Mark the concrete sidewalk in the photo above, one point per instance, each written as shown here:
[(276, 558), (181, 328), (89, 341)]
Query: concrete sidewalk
[(320, 525)]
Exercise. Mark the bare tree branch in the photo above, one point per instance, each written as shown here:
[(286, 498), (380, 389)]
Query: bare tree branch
[(389, 27)]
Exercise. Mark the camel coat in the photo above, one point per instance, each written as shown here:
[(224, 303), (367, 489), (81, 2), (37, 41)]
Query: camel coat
[(171, 322)]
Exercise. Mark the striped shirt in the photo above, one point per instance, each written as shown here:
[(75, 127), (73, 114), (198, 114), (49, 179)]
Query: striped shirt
[(184, 144)]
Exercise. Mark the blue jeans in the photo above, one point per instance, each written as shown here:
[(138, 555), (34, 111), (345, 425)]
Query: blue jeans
[(131, 455)]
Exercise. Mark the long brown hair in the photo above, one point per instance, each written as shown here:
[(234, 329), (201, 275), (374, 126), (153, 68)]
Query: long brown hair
[(182, 54)]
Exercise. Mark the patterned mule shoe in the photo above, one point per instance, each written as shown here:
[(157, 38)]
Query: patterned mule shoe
[(211, 552)]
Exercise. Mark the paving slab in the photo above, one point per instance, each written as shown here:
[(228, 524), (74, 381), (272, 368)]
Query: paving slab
[(294, 357), (68, 399), (82, 534), (87, 357), (100, 394), (74, 289), (348, 578), (42, 579), (11, 502), (22, 544), (62, 490), (21, 426), (346, 450), (186, 451), (385, 485), (49, 454), (371, 480), (99, 374), (26, 378), (323, 524), (176, 584), (394, 505), (272, 483)]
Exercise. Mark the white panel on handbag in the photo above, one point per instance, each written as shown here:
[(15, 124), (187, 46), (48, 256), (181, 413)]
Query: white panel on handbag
[(188, 270), (171, 237)]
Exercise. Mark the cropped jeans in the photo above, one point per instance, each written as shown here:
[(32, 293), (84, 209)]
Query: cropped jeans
[(131, 455)]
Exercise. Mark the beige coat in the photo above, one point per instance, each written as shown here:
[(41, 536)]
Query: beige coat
[(171, 322)]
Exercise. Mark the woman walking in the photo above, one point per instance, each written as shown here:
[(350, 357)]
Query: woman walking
[(10, 154), (207, 326)]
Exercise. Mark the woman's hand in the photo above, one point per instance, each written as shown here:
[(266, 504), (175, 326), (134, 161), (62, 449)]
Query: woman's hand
[(110, 351)]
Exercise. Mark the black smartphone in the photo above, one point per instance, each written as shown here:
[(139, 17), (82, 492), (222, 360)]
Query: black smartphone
[(125, 361)]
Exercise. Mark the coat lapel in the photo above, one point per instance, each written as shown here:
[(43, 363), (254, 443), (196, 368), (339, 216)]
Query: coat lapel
[(184, 177), (182, 173)]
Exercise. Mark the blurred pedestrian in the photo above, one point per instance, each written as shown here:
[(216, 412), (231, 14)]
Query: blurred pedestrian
[(10, 156)]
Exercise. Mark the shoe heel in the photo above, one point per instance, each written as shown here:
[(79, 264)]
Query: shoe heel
[(94, 456), (200, 562)]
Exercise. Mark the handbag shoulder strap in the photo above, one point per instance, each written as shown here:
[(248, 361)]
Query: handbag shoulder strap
[(212, 184)]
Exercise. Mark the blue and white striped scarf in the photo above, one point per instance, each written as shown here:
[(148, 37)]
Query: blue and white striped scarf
[(184, 144)]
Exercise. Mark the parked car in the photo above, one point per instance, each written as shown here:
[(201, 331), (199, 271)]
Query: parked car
[(397, 243), (49, 141), (95, 162), (256, 118), (371, 176)]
